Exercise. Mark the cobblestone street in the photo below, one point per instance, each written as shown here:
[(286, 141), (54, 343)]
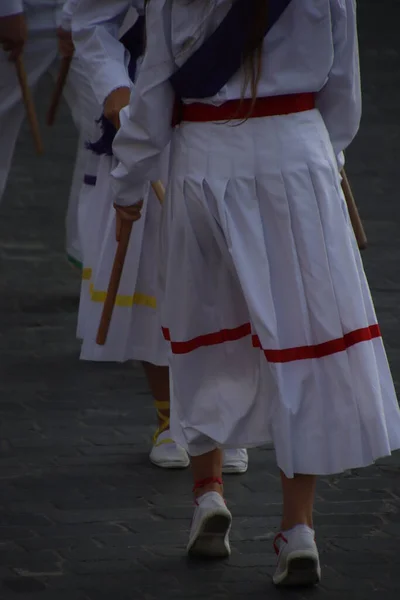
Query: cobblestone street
[(83, 513)]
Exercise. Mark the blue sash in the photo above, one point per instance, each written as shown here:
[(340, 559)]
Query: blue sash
[(220, 57)]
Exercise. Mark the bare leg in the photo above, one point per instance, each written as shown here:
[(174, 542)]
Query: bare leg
[(211, 523), (298, 560), (164, 453), (158, 379), (207, 466), (298, 500)]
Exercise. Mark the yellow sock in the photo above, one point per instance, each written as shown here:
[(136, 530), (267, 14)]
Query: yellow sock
[(161, 406)]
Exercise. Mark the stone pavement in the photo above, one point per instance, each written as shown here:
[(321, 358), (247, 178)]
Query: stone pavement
[(83, 515)]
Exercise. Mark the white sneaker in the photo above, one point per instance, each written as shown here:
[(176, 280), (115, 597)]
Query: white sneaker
[(211, 524), (298, 559), (235, 461), (166, 454)]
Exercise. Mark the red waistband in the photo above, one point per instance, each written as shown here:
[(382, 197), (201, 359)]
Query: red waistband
[(199, 112)]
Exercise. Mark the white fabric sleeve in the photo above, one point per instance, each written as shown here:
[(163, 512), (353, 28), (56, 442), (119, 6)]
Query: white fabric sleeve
[(11, 7), (95, 32), (340, 160), (339, 101), (68, 9), (146, 123)]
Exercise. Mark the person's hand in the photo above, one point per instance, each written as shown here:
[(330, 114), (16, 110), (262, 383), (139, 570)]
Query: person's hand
[(114, 103), (127, 213), (65, 43), (13, 35)]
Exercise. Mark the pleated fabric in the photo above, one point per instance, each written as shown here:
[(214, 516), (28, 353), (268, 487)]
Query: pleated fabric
[(135, 331), (266, 307)]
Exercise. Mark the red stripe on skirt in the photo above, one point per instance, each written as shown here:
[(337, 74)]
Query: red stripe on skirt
[(209, 339), (276, 356), (365, 334)]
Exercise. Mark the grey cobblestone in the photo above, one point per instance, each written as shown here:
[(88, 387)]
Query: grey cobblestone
[(83, 514)]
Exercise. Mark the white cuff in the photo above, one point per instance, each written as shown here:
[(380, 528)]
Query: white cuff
[(65, 22), (11, 7), (340, 160), (125, 194), (109, 79)]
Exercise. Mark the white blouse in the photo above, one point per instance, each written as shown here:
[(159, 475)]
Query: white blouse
[(96, 26), (12, 7), (68, 9), (312, 48)]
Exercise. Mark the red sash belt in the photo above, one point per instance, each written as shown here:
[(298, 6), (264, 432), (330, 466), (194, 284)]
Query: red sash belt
[(199, 112)]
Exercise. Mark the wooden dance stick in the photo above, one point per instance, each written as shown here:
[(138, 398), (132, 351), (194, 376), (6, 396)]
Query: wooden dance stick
[(159, 191), (115, 278), (353, 212), (29, 105), (58, 90), (116, 273)]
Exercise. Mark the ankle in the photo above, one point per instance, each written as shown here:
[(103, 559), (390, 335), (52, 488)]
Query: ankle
[(212, 487), (163, 420), (210, 484), (288, 524), (302, 528), (163, 414)]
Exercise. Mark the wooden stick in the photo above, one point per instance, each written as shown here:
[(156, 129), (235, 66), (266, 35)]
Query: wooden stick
[(159, 191), (29, 105), (115, 278), (61, 79), (116, 273), (353, 212)]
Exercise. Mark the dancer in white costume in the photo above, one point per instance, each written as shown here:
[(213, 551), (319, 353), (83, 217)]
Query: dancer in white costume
[(266, 306), (40, 19), (135, 331)]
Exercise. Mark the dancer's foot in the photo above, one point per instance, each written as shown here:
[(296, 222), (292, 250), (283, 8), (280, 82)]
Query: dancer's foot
[(298, 559), (166, 454), (209, 534), (235, 461)]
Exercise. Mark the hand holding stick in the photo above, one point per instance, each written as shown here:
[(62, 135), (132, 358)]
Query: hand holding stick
[(125, 219)]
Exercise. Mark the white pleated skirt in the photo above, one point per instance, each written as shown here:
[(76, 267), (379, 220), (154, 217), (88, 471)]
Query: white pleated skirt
[(266, 307), (93, 211), (135, 331)]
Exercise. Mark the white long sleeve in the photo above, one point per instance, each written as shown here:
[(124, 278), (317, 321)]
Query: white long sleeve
[(11, 7), (95, 29), (68, 10), (339, 101), (146, 122)]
